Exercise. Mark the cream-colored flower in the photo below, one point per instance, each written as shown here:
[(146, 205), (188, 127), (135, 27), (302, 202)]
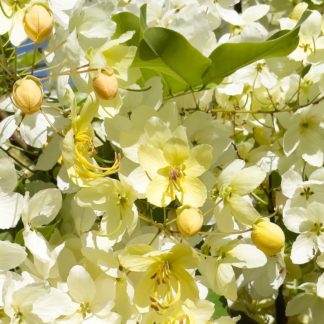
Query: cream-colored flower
[(78, 150), (164, 281), (174, 169), (233, 186)]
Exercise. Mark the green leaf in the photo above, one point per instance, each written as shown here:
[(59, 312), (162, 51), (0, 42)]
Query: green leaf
[(228, 58), (219, 303), (143, 11), (126, 21), (168, 54), (6, 236)]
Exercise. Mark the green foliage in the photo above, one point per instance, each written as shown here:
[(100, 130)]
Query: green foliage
[(169, 55), (219, 303), (126, 21), (230, 57), (182, 67)]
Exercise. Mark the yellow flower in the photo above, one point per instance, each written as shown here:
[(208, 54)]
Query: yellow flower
[(174, 170), (78, 148), (165, 281)]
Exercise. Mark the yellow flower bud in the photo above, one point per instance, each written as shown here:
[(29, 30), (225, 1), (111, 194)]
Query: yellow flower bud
[(28, 94), (105, 85), (267, 237), (189, 221), (38, 23)]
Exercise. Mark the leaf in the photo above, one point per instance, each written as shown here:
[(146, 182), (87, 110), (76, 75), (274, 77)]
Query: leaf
[(219, 303), (168, 54), (126, 21), (228, 58), (143, 11)]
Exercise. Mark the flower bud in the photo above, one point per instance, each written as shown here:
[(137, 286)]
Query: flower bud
[(267, 237), (28, 94), (105, 85), (38, 23), (189, 221)]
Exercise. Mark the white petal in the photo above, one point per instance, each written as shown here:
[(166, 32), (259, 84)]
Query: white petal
[(315, 212), (8, 175), (81, 286), (94, 23), (11, 206), (33, 130), (37, 245), (50, 154), (17, 32), (8, 127), (303, 249), (254, 13), (249, 255), (225, 281), (4, 21), (296, 220), (320, 286), (247, 180), (11, 255), (230, 172), (43, 207), (290, 140), (230, 16), (290, 180), (242, 210), (298, 304), (53, 305)]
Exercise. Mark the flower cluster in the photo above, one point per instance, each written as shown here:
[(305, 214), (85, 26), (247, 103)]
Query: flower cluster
[(161, 161)]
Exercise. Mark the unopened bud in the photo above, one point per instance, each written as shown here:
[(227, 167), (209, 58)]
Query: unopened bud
[(28, 94), (189, 221), (105, 85), (267, 237), (38, 23)]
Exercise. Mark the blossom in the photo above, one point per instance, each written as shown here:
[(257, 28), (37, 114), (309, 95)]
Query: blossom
[(308, 223), (174, 170), (233, 185), (222, 254), (165, 280), (304, 133)]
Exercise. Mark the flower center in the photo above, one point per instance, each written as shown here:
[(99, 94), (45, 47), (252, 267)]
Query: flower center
[(84, 152), (164, 295), (174, 173), (307, 193), (317, 228)]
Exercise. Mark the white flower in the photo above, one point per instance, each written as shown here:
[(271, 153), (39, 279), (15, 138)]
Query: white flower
[(34, 128), (95, 298), (233, 185), (305, 134), (309, 303), (26, 301), (224, 253), (301, 193), (309, 224), (11, 203)]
